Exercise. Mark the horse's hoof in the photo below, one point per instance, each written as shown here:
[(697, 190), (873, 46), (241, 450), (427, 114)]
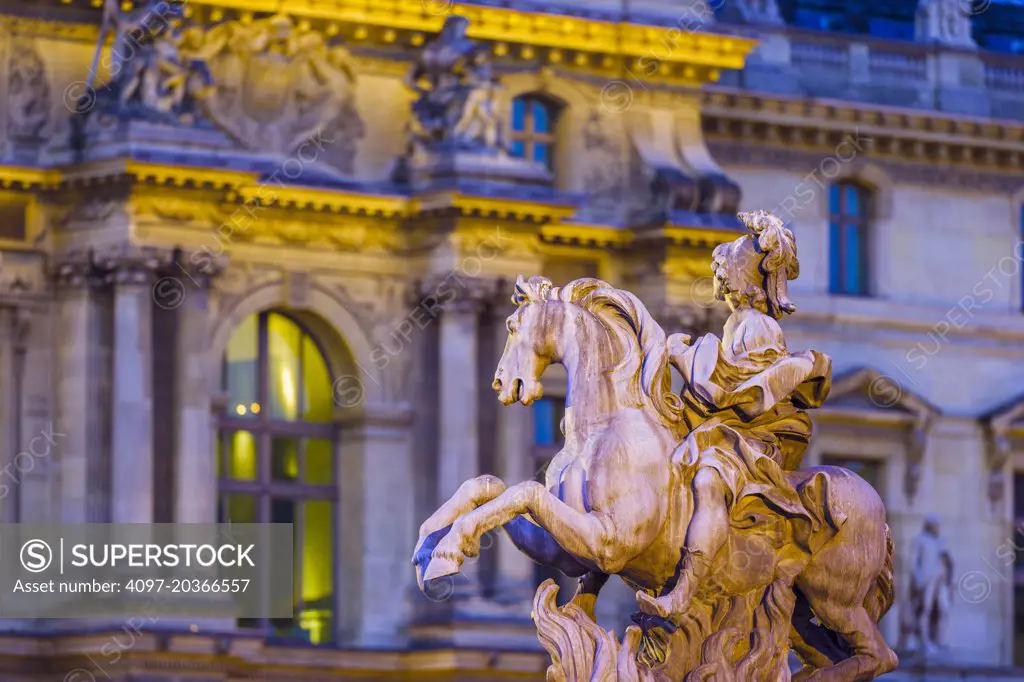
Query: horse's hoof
[(439, 567), (647, 622)]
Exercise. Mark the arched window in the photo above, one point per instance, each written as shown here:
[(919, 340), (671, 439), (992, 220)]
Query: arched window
[(849, 213), (276, 459), (532, 135)]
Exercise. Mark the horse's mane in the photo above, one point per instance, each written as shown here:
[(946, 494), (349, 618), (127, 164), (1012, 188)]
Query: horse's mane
[(629, 321)]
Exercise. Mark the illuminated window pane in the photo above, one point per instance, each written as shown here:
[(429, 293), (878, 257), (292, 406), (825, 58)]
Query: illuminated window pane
[(241, 364), (280, 468), (284, 459), (239, 509), (242, 456), (317, 394), (284, 340), (317, 594), (319, 462)]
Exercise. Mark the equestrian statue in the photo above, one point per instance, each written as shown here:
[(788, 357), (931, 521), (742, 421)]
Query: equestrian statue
[(696, 500)]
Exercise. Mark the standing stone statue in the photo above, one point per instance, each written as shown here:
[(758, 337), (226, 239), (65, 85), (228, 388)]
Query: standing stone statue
[(455, 90), (931, 590), (697, 501), (151, 77), (944, 22)]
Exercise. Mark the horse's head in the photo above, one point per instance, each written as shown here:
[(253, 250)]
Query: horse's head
[(533, 342), (599, 332)]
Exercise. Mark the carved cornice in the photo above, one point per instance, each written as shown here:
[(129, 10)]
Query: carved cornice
[(28, 179), (913, 146), (581, 42), (329, 200), (591, 236), (523, 210)]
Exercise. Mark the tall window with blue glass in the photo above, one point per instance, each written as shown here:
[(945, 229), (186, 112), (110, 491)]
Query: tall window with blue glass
[(849, 211), (532, 136)]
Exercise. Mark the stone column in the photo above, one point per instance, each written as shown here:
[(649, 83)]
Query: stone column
[(84, 463), (13, 332), (195, 455), (132, 452), (375, 525), (459, 406), (514, 457)]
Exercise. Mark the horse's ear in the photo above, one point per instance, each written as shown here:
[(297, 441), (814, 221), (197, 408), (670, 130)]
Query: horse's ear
[(519, 293)]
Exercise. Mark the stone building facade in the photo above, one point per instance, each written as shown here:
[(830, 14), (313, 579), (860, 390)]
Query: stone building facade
[(231, 290)]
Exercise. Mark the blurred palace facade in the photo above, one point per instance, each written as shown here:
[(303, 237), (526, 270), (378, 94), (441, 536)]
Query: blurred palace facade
[(229, 293)]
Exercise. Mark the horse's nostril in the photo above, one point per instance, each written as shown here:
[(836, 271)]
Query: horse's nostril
[(496, 385)]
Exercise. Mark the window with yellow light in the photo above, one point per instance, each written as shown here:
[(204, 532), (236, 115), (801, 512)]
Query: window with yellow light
[(275, 458)]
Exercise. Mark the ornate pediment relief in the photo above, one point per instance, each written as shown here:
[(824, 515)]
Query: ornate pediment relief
[(276, 85)]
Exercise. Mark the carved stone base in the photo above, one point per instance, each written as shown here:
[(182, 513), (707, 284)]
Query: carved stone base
[(434, 170), (107, 136), (100, 135)]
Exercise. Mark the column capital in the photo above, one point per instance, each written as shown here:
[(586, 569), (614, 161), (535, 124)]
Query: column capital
[(198, 267), (77, 271), (15, 325), (129, 264), (455, 291)]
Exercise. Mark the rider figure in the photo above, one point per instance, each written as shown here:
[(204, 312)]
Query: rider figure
[(744, 402)]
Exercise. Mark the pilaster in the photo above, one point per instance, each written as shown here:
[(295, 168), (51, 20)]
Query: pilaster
[(132, 275), (14, 327), (187, 291), (82, 386), (375, 524)]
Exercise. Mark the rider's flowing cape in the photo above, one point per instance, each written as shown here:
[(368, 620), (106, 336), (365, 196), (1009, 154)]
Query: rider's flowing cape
[(750, 381)]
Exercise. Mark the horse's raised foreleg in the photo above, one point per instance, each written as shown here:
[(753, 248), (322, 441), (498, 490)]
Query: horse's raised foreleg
[(592, 538), (469, 496), (705, 536)]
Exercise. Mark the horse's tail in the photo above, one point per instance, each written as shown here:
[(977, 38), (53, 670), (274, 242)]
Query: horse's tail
[(879, 601)]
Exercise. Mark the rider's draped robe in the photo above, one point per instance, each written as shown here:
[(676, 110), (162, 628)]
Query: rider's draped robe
[(744, 402)]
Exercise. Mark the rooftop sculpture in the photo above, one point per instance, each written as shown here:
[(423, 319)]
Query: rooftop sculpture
[(698, 501)]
